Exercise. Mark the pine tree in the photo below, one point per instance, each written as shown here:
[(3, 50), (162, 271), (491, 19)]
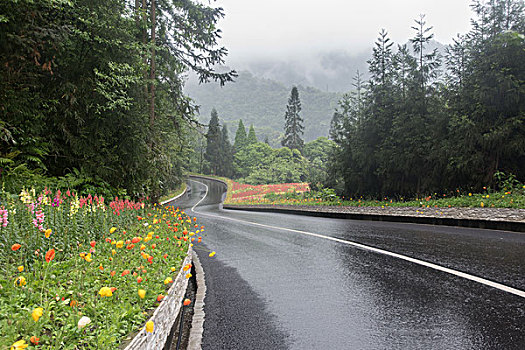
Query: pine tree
[(293, 128), (240, 137), (213, 138), (252, 138), (226, 154)]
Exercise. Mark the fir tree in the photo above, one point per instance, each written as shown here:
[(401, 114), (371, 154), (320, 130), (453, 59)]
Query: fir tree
[(240, 137), (252, 138), (226, 155), (293, 128), (213, 146)]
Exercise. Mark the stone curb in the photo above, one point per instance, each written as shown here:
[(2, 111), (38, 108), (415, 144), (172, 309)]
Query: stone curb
[(430, 220), (197, 322), (165, 315)]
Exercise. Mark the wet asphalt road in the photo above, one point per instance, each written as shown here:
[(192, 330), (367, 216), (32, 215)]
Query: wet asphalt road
[(274, 289)]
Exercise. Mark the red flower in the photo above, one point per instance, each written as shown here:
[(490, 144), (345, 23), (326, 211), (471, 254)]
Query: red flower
[(139, 279), (150, 259), (125, 272), (135, 240), (160, 297), (92, 243), (187, 302), (15, 247), (50, 255)]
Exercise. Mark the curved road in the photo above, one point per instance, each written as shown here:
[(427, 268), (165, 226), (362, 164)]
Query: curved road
[(282, 281)]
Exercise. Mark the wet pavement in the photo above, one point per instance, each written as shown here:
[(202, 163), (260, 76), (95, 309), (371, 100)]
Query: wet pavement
[(269, 288)]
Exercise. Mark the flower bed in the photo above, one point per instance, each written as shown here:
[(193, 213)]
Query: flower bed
[(241, 193), (76, 273)]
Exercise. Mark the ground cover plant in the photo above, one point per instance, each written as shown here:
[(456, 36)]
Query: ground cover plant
[(78, 273)]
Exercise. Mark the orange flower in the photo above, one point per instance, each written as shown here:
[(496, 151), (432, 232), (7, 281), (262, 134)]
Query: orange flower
[(112, 273), (50, 255), (125, 272), (73, 303), (34, 339), (160, 297), (139, 279), (15, 247), (136, 240), (187, 302)]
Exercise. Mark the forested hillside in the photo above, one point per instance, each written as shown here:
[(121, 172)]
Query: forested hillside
[(262, 102)]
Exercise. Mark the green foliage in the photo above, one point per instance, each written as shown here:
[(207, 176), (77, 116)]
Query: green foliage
[(414, 130), (97, 86)]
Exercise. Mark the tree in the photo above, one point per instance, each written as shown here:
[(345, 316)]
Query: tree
[(293, 128), (226, 155), (252, 138), (213, 144), (240, 137)]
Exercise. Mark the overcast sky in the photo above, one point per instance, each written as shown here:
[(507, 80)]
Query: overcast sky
[(288, 28)]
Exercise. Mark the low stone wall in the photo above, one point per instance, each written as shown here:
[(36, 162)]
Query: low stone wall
[(165, 315), (487, 218)]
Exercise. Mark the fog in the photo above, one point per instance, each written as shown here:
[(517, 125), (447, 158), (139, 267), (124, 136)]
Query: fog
[(289, 29)]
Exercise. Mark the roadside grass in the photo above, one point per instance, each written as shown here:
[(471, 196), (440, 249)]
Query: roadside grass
[(77, 273), (173, 193)]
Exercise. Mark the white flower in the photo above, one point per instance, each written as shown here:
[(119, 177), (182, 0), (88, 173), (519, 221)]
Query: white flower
[(84, 321)]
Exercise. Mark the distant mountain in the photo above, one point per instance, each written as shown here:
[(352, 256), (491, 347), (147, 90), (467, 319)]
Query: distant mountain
[(327, 71), (262, 102)]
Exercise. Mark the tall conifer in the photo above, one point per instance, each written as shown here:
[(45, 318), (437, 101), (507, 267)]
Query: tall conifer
[(293, 128)]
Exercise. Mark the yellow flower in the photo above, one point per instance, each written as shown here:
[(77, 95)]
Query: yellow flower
[(113, 229), (147, 239), (482, 204), (48, 232), (149, 326), (119, 244), (172, 269), (188, 275), (168, 280), (113, 251), (142, 247), (21, 344), (20, 281), (105, 292), (212, 254), (20, 268), (142, 293), (88, 257), (37, 313)]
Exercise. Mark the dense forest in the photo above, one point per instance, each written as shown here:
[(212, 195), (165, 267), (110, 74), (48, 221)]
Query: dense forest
[(91, 91), (423, 123)]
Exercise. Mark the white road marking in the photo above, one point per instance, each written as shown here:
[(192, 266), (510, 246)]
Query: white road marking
[(467, 276)]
